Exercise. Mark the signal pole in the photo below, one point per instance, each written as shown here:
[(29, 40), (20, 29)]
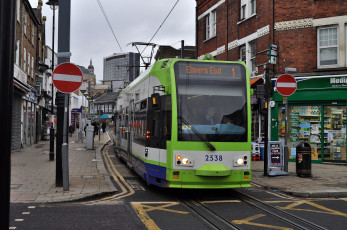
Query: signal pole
[(7, 31)]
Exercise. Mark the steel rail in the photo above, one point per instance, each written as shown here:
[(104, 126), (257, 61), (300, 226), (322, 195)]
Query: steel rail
[(207, 215), (277, 212)]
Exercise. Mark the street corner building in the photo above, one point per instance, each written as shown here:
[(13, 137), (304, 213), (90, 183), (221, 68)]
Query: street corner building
[(306, 39)]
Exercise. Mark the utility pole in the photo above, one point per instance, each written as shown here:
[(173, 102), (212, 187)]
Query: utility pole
[(266, 115), (63, 47), (7, 31)]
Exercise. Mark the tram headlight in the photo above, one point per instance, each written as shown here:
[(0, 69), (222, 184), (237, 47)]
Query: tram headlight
[(241, 161), (185, 161)]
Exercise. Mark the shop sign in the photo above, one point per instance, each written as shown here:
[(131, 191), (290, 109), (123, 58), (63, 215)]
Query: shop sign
[(323, 83), (31, 96)]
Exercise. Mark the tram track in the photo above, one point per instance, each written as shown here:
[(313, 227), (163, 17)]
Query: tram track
[(211, 218), (293, 220)]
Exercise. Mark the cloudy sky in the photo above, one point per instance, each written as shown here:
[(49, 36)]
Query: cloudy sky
[(131, 20)]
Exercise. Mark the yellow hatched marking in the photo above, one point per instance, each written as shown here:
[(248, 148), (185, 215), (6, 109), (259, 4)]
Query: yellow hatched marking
[(323, 209), (142, 208), (248, 220), (141, 213)]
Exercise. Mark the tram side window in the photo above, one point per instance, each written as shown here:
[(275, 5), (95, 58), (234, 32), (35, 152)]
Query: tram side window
[(159, 123), (140, 124)]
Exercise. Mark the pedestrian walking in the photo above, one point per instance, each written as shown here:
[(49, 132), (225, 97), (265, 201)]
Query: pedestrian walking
[(71, 130), (103, 126)]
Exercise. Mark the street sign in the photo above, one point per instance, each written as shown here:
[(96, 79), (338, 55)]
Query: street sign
[(275, 154), (273, 53), (67, 77), (286, 85)]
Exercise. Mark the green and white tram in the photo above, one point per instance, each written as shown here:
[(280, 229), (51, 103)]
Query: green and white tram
[(186, 124)]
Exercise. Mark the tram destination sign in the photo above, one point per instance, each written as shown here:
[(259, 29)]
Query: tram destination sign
[(210, 70)]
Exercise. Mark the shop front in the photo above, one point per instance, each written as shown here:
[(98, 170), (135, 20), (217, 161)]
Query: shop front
[(316, 114)]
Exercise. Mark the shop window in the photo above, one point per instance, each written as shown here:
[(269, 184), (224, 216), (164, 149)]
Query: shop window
[(328, 46), (334, 133), (304, 125)]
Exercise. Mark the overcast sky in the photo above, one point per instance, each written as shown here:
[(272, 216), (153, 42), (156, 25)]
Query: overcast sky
[(131, 20)]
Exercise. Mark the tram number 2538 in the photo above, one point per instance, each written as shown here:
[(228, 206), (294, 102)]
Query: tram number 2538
[(213, 158)]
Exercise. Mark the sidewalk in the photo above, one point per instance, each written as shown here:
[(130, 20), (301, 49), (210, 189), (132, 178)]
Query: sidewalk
[(33, 175), (327, 180)]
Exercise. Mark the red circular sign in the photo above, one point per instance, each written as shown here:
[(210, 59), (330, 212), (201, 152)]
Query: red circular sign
[(67, 77), (286, 85)]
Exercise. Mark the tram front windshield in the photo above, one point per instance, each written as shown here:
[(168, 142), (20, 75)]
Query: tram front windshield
[(211, 101)]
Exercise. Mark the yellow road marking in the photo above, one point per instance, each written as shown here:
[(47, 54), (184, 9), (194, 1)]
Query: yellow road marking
[(141, 213), (325, 209), (220, 201), (115, 175), (247, 222), (142, 208)]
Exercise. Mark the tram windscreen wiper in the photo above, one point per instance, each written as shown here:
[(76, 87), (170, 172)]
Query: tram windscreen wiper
[(209, 145)]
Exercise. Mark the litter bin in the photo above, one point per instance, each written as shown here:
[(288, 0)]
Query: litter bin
[(303, 159)]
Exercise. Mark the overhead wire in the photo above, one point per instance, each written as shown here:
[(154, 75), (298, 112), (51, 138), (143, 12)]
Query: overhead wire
[(114, 34), (109, 24), (161, 25)]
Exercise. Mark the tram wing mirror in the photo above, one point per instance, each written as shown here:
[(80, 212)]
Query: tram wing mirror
[(155, 101)]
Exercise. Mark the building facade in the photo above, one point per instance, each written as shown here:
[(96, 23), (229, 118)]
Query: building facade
[(121, 67), (28, 69), (312, 39)]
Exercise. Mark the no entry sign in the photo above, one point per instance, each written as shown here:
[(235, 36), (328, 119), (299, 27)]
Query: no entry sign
[(67, 77), (286, 85)]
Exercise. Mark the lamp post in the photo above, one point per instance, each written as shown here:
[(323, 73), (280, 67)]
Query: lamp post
[(54, 5)]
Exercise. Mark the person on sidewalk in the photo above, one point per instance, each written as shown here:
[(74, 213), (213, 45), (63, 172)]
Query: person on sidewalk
[(71, 129), (103, 126)]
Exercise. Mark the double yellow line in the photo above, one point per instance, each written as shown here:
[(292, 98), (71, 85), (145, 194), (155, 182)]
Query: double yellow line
[(126, 189)]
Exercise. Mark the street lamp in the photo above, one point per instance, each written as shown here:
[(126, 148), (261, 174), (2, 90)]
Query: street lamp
[(54, 5)]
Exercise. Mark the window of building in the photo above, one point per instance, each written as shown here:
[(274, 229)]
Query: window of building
[(253, 55), (25, 22), (18, 10), (328, 46), (24, 59), (32, 66), (17, 52), (32, 34), (211, 25), (29, 64), (243, 11), (247, 8), (253, 6), (243, 53)]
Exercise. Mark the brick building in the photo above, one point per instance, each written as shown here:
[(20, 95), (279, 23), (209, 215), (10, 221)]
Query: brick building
[(312, 38), (29, 53)]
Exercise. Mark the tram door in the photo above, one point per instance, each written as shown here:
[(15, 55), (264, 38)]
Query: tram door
[(130, 123)]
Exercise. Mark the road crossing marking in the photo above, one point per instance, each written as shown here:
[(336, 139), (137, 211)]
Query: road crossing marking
[(323, 209), (142, 208), (248, 220)]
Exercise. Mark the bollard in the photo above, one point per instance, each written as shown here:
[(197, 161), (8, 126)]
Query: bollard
[(90, 137), (303, 159), (51, 144)]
